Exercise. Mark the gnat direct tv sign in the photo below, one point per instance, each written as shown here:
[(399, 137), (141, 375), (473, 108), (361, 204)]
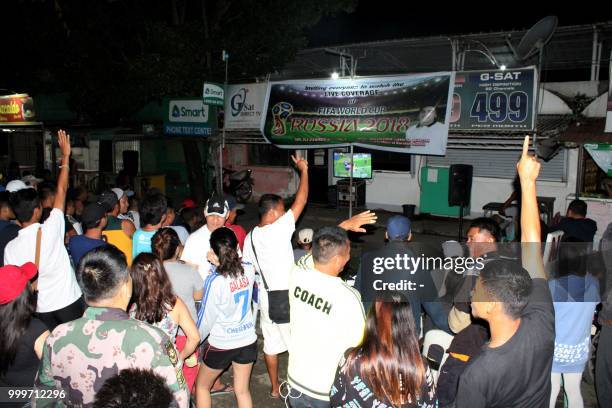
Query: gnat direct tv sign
[(244, 106), (187, 117)]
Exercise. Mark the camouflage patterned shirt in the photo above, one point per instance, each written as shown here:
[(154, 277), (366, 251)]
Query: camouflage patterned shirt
[(79, 356)]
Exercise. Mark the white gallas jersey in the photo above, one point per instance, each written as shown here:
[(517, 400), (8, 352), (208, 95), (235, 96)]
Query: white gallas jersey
[(226, 313)]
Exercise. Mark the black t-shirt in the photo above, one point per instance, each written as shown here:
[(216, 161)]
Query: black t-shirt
[(8, 232), (356, 392), (517, 374), (583, 229), (23, 370)]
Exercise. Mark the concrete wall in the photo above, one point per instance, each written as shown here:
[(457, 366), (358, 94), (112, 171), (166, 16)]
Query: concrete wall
[(389, 190), (266, 179)]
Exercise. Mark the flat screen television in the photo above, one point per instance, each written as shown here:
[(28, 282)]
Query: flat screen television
[(362, 165)]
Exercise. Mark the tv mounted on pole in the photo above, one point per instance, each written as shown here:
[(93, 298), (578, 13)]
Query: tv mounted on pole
[(533, 42)]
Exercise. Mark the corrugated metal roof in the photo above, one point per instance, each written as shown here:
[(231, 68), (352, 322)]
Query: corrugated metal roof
[(570, 48)]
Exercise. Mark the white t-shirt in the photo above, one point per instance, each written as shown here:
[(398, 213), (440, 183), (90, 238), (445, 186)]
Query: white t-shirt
[(327, 318), (57, 284), (196, 250), (181, 232), (274, 251), (226, 315)]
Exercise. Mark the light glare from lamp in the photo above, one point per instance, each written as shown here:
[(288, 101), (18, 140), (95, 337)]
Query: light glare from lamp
[(335, 75), (502, 67)]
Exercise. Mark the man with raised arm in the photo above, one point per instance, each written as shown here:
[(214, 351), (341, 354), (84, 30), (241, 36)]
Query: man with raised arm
[(268, 247), (513, 368), (59, 296)]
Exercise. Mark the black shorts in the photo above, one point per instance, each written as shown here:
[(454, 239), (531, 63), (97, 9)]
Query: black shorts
[(219, 359)]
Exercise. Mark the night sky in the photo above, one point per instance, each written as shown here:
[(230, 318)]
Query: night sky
[(375, 20)]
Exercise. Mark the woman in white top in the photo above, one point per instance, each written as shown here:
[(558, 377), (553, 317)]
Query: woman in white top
[(226, 318)]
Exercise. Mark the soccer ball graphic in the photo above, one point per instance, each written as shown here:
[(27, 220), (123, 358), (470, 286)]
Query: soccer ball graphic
[(280, 112)]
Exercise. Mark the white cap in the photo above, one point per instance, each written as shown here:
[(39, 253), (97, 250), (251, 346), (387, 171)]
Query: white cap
[(118, 192), (305, 235), (29, 179), (15, 185)]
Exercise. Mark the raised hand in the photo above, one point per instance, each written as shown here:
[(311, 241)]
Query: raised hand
[(356, 222), (64, 143), (528, 166), (300, 163)]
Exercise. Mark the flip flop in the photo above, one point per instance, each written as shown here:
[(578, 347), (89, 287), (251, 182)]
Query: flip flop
[(277, 396), (227, 389)]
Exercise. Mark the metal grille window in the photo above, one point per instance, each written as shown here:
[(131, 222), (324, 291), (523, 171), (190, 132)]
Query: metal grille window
[(500, 163)]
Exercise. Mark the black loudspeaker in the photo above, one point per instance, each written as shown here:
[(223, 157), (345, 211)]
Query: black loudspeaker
[(106, 156), (460, 184), (130, 162)]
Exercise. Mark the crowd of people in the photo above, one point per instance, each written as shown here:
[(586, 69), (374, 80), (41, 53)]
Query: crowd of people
[(113, 305)]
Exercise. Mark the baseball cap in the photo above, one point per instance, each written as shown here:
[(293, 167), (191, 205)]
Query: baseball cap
[(16, 185), (13, 279), (92, 214), (120, 193), (29, 179), (188, 203), (108, 199), (398, 227), (305, 235), (232, 203), (216, 206)]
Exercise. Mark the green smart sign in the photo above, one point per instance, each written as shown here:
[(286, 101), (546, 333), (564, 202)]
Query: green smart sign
[(188, 117), (213, 94)]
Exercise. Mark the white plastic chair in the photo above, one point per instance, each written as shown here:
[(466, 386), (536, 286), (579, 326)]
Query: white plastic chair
[(551, 248)]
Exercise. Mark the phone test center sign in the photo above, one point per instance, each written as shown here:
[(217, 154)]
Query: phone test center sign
[(187, 117)]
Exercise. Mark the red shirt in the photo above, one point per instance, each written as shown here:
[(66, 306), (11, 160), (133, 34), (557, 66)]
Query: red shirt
[(240, 233)]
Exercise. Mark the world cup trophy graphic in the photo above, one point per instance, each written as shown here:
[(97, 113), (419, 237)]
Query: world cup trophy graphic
[(280, 112)]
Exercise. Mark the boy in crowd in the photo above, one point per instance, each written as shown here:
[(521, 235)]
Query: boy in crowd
[(304, 243), (94, 221), (152, 215)]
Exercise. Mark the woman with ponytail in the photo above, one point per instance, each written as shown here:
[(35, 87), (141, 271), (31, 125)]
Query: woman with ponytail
[(226, 318), (387, 366)]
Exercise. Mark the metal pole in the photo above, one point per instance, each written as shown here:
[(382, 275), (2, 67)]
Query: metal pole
[(351, 196), (222, 144), (537, 101), (579, 171), (594, 56)]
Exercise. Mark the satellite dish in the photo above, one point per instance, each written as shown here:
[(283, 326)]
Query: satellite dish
[(535, 39), (547, 148)]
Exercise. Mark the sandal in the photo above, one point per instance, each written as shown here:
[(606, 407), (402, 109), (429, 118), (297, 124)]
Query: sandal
[(226, 389)]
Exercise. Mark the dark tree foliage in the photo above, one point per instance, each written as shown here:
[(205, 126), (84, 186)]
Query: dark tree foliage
[(114, 56)]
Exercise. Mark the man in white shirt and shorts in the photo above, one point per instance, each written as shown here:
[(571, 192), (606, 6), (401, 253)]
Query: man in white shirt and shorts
[(273, 257)]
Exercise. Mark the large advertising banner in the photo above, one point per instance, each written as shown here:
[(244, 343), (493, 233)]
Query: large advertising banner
[(494, 100), (408, 114), (17, 110), (244, 106)]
